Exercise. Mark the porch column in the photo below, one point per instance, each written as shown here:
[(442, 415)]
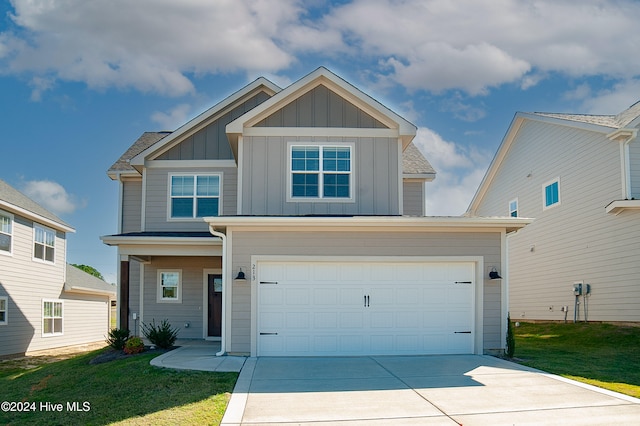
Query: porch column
[(124, 292)]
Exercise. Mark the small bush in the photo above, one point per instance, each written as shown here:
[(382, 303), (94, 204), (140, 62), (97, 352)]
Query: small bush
[(163, 336), (134, 346), (511, 340), (117, 338)]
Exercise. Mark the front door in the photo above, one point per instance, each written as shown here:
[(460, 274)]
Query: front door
[(214, 313)]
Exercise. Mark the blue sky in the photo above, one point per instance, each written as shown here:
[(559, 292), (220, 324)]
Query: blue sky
[(81, 80)]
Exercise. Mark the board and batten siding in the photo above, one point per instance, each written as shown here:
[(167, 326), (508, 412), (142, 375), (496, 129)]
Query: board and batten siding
[(574, 241), (247, 244), (26, 282), (634, 166), (131, 205), (157, 197), (374, 177), (413, 198)]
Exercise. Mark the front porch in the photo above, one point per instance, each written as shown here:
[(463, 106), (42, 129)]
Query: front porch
[(195, 354)]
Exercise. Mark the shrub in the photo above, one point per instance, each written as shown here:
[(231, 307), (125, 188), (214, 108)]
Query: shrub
[(163, 335), (117, 338), (134, 346), (511, 340)]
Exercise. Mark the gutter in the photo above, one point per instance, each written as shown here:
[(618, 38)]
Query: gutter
[(223, 338)]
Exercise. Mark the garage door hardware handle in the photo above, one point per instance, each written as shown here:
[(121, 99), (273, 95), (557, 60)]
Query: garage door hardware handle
[(268, 334), (462, 332), (268, 282), (464, 282), (366, 301)]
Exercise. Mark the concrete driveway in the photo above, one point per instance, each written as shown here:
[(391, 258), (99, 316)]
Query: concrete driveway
[(416, 390)]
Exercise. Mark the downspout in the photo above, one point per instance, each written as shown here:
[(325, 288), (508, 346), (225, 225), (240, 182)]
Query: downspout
[(223, 237)]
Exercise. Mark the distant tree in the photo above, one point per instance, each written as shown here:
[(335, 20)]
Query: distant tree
[(89, 270)]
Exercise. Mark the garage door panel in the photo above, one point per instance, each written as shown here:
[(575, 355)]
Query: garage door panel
[(326, 320), (298, 296), (297, 320)]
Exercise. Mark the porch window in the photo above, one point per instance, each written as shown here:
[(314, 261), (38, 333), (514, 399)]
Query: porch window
[(6, 232), (320, 172), (52, 316), (169, 286), (4, 308), (44, 240), (194, 196)]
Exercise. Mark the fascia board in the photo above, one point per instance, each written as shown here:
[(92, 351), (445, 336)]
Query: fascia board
[(86, 290), (123, 241), (36, 217), (419, 177), (618, 206), (196, 122)]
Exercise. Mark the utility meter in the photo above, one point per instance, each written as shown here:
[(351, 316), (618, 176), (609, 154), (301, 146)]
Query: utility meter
[(577, 289)]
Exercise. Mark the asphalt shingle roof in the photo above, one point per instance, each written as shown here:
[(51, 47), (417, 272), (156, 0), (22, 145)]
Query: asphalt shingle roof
[(614, 121), (77, 278), (16, 198)]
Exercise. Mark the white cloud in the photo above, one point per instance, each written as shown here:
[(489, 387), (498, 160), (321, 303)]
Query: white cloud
[(52, 196), (172, 119), (613, 101)]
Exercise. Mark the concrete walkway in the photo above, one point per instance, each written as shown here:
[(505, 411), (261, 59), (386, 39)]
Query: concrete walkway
[(198, 355)]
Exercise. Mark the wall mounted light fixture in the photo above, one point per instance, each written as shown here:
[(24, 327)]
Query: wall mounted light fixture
[(240, 276), (494, 275)]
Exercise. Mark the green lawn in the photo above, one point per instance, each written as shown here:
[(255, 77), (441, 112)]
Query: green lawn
[(603, 355), (129, 390)]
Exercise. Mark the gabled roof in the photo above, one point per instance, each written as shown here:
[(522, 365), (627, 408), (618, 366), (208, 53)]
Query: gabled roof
[(79, 281), (15, 201), (612, 126), (414, 163), (405, 130), (145, 141), (202, 120)]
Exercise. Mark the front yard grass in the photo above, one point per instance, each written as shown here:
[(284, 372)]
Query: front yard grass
[(602, 355), (126, 391)]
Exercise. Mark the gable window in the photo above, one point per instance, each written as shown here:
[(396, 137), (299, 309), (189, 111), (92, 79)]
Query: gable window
[(52, 315), (6, 232), (4, 308), (321, 171), (513, 208), (193, 196), (169, 283), (44, 240), (551, 193)]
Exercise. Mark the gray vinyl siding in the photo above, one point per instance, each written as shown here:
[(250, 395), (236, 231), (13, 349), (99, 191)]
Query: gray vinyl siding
[(211, 143), (131, 205), (575, 241), (413, 198), (374, 178), (190, 310), (134, 296), (246, 244), (634, 163), (157, 198), (320, 107)]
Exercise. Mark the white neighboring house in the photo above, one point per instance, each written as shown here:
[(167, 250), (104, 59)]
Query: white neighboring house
[(44, 302), (579, 177)]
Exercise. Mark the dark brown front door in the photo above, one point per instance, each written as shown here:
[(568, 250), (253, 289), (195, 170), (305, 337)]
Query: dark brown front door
[(215, 305)]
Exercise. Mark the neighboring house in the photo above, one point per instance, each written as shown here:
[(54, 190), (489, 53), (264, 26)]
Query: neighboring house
[(291, 222), (579, 177), (44, 302)]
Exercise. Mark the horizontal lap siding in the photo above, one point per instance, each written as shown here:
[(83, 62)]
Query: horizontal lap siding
[(361, 244), (131, 205), (574, 241), (634, 162), (413, 199)]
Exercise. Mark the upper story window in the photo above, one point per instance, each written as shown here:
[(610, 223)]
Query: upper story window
[(52, 316), (321, 171), (551, 193), (193, 196), (6, 232), (513, 208), (44, 240)]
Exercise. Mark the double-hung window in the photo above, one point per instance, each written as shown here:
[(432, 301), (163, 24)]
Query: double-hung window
[(44, 240), (193, 196), (551, 193), (513, 208), (6, 232), (4, 309), (169, 283), (52, 316), (321, 172)]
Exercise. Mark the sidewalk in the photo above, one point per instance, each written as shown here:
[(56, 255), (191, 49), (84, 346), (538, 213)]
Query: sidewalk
[(198, 355)]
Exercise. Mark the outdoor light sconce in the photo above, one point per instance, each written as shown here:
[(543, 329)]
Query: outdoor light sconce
[(494, 275), (240, 276)]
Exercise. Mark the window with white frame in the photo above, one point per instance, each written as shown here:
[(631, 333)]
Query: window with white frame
[(551, 193), (6, 232), (513, 208), (193, 196), (169, 286), (4, 310), (44, 240), (52, 316), (320, 171)]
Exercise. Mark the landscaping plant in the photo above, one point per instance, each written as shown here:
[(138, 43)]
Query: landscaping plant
[(117, 338), (163, 335), (511, 340), (134, 346)]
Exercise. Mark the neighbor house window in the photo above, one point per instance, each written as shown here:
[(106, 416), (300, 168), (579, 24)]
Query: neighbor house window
[(169, 283), (321, 171), (513, 208), (44, 240), (6, 232), (52, 315), (4, 308), (551, 193), (193, 196)]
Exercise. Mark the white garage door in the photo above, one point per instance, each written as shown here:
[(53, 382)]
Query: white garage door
[(365, 308)]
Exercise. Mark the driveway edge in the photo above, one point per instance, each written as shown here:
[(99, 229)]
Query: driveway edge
[(235, 410)]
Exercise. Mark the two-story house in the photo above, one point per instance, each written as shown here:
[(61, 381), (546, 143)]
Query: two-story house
[(44, 302), (291, 222), (579, 177)]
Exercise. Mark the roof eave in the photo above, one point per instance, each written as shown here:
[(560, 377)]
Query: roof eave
[(36, 217)]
